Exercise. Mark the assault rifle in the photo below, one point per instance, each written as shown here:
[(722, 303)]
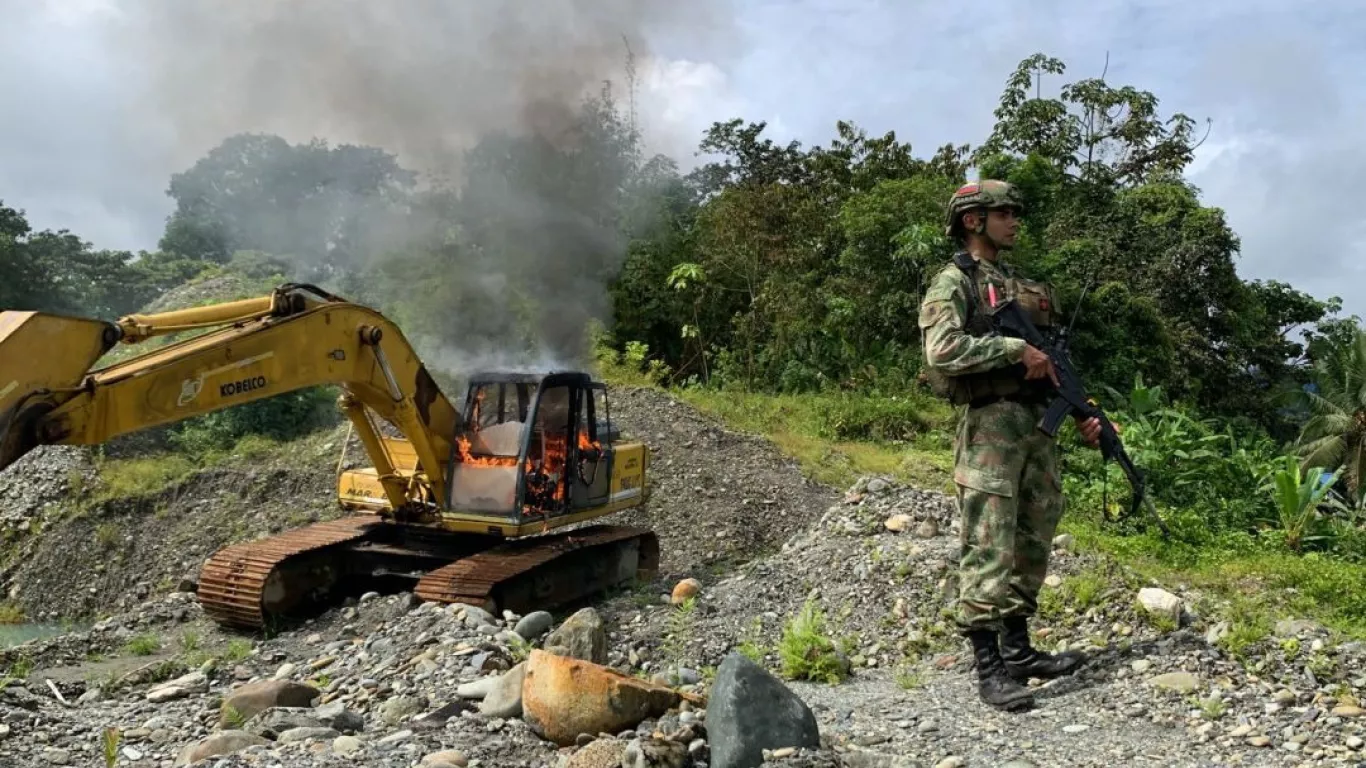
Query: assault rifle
[(1008, 318)]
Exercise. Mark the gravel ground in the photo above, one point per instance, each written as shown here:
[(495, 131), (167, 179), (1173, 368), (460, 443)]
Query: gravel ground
[(717, 497), (760, 543)]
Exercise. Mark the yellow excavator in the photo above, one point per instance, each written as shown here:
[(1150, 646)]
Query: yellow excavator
[(460, 506)]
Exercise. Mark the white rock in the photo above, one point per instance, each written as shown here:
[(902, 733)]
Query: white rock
[(179, 688), (1160, 602), (345, 745)]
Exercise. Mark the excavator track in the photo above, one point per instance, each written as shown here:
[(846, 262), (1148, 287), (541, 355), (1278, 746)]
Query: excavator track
[(545, 571), (243, 583)]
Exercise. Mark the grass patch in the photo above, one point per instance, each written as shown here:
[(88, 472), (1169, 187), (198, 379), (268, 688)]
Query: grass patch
[(1259, 585), (237, 650), (130, 478), (806, 650), (143, 645), (11, 613), (815, 430)]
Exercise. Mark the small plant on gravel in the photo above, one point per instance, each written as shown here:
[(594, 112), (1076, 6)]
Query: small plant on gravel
[(751, 644), (1344, 696), (11, 613), (1212, 708), (519, 649), (1244, 630), (1290, 647), (908, 677), (110, 744), (143, 645), (807, 652), (21, 668), (1321, 665), (189, 640), (679, 632), (237, 650), (197, 658), (233, 719), (108, 535)]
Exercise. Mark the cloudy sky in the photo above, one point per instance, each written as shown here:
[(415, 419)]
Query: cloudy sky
[(101, 100)]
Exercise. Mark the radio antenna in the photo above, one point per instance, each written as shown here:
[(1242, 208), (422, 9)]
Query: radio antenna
[(1067, 332)]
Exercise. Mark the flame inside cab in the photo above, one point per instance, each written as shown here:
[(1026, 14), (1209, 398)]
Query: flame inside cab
[(538, 447)]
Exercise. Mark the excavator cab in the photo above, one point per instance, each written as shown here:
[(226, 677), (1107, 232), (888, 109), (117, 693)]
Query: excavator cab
[(536, 447)]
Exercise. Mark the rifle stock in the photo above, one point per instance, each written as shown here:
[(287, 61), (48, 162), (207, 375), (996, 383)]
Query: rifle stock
[(1011, 320)]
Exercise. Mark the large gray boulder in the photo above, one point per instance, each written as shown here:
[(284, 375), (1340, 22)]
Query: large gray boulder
[(750, 710)]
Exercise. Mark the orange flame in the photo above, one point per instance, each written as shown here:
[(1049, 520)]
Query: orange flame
[(544, 466)]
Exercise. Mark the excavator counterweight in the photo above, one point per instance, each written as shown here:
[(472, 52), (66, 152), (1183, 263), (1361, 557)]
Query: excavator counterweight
[(471, 504)]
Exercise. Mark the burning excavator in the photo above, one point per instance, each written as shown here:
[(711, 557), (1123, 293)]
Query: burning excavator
[(460, 506)]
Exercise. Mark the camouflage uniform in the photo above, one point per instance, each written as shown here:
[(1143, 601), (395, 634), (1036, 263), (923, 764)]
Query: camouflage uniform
[(1006, 472), (1009, 491)]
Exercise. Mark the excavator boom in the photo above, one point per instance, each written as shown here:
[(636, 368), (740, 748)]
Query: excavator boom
[(456, 495), (278, 344)]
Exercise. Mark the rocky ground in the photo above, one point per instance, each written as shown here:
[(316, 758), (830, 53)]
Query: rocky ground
[(844, 587)]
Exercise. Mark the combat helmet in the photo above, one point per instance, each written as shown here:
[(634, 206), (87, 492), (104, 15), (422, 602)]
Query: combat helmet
[(988, 193)]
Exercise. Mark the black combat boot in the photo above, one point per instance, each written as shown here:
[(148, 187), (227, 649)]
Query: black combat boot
[(994, 684), (1022, 661)]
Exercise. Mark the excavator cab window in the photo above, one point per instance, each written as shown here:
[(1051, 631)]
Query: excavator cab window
[(592, 471), (485, 472), (531, 447), (548, 452)]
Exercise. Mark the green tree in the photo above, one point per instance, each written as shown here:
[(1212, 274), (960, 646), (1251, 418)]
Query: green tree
[(1334, 437), (323, 207)]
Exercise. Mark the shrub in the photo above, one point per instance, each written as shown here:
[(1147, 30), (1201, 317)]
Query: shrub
[(807, 652)]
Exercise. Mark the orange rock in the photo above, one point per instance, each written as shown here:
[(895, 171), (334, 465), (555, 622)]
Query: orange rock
[(685, 589), (563, 697)]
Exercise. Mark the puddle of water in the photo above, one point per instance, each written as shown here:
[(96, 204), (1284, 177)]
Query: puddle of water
[(16, 634)]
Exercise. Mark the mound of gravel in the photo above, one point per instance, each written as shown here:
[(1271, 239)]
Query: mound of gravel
[(93, 558), (717, 497), (42, 477)]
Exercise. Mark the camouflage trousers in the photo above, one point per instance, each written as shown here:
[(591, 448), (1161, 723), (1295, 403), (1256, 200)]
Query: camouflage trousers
[(1010, 500)]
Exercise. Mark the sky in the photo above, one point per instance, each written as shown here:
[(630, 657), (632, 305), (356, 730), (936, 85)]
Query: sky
[(101, 100)]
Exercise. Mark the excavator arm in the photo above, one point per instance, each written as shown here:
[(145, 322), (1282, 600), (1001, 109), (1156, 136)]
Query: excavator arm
[(299, 336)]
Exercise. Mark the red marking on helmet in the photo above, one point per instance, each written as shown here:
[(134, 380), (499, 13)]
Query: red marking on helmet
[(967, 189)]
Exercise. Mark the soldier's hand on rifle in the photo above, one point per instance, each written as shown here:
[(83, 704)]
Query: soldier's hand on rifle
[(1037, 365), (1090, 431)]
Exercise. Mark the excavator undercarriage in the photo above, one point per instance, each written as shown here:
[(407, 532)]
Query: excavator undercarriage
[(490, 504), (293, 573)]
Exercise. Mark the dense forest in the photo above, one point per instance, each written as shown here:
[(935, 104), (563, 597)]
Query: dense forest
[(780, 268)]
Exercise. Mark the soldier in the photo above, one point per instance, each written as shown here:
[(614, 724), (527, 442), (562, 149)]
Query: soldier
[(1008, 487)]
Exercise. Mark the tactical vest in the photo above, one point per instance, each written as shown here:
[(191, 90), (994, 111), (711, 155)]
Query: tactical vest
[(1039, 304)]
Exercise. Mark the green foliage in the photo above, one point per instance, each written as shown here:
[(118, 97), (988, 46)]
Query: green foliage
[(143, 645), (1335, 434), (109, 744), (1297, 498), (853, 417), (279, 418), (237, 650), (141, 476), (59, 272), (319, 206), (11, 613), (806, 650)]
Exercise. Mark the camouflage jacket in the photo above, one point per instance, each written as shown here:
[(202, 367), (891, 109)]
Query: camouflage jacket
[(949, 348)]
